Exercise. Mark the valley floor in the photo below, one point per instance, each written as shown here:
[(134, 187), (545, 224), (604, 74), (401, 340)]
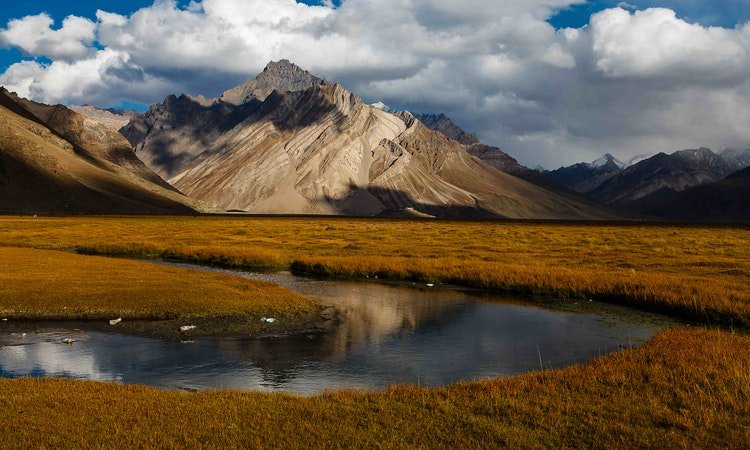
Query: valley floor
[(686, 388), (698, 273)]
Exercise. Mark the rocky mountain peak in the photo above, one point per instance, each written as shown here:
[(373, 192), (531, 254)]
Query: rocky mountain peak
[(443, 124), (282, 76), (696, 153), (608, 162)]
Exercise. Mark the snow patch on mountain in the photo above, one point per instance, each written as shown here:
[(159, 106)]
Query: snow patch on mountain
[(607, 160)]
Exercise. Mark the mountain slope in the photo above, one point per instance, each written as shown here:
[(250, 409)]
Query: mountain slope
[(489, 154), (114, 119), (498, 159), (53, 160), (311, 147), (727, 200), (676, 172), (737, 159)]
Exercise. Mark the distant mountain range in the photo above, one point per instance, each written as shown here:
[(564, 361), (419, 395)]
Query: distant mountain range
[(646, 185), (586, 177), (289, 142), (651, 185), (725, 201)]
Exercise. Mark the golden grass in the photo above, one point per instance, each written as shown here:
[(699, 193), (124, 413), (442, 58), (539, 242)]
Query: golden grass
[(39, 284), (700, 273), (685, 389)]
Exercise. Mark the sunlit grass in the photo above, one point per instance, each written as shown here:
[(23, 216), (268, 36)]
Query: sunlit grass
[(699, 273), (685, 389), (44, 284)]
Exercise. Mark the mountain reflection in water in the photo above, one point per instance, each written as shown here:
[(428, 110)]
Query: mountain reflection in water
[(386, 335)]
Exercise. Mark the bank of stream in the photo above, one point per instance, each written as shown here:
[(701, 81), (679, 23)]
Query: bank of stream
[(380, 334)]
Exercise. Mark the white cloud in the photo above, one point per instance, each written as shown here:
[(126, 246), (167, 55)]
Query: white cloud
[(629, 83), (655, 43), (35, 36), (106, 78), (20, 77)]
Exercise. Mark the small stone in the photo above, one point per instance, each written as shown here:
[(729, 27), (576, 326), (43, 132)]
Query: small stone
[(187, 328)]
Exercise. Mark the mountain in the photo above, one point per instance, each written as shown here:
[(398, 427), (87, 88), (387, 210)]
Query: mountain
[(383, 107), (289, 142), (53, 160), (676, 172), (586, 177), (491, 155), (114, 119), (443, 124), (737, 159), (497, 158), (282, 76), (727, 200)]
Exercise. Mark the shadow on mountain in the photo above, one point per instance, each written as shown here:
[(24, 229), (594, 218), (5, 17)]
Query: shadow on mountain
[(399, 203), (386, 203), (727, 200)]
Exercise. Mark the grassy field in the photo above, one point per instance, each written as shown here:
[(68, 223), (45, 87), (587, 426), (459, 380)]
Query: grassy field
[(700, 273), (54, 285), (685, 389)]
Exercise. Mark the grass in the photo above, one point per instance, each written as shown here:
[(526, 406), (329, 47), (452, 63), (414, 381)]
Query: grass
[(699, 273), (44, 284), (685, 389)]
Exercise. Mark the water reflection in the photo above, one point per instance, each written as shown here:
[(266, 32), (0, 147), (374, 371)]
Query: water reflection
[(387, 335)]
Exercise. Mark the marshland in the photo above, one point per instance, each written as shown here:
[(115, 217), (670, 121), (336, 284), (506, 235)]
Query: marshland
[(684, 382)]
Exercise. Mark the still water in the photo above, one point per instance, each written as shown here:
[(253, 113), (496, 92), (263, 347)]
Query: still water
[(387, 334)]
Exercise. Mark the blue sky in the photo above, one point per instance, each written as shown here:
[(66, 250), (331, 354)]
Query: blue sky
[(724, 13), (58, 10)]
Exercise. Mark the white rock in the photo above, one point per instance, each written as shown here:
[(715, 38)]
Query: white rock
[(430, 285), (270, 320), (115, 321), (187, 328), (68, 341)]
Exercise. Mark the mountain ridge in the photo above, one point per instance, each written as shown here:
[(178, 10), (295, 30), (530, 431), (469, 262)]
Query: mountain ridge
[(56, 161), (317, 148)]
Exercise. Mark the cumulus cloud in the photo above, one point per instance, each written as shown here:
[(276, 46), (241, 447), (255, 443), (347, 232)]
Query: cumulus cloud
[(655, 43), (630, 82), (104, 78), (35, 36)]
